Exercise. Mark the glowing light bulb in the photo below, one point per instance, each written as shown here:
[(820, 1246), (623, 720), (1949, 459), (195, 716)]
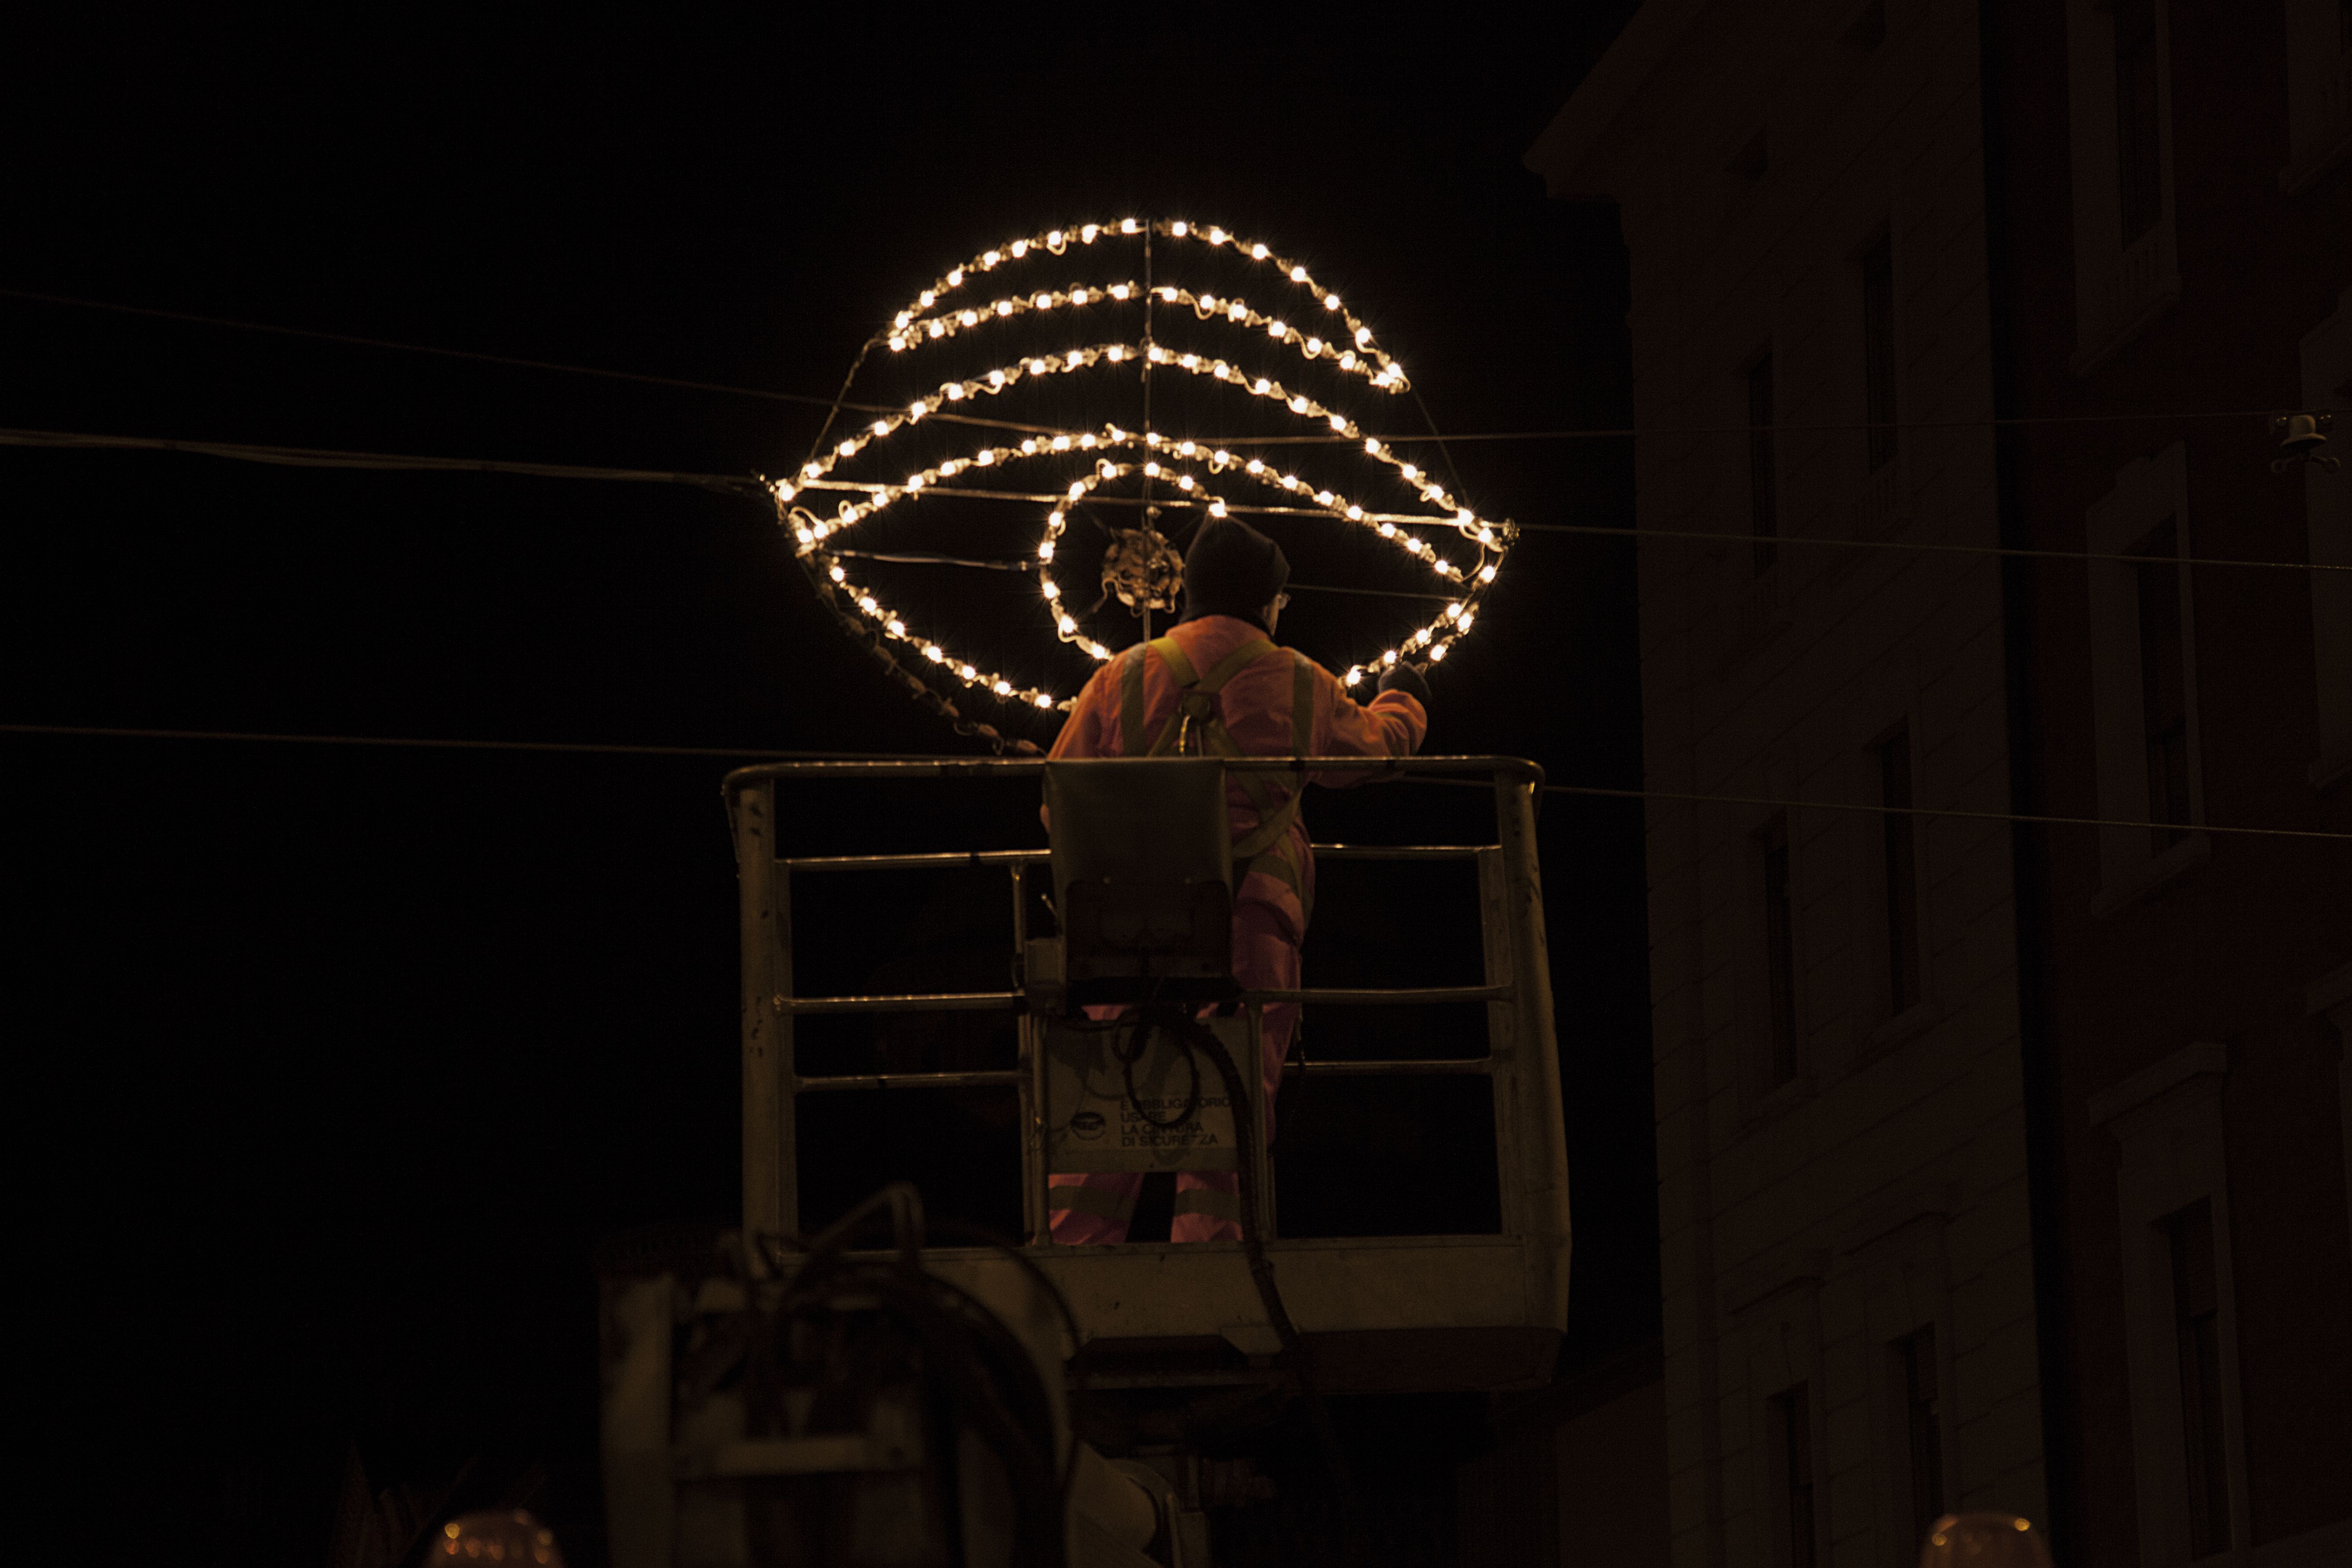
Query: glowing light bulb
[(1355, 514), (968, 672), (1257, 465), (1299, 405), (1169, 294), (865, 603), (914, 481), (1466, 619), (1363, 336), (1323, 497), (1088, 234), (1077, 296), (928, 299), (1330, 302), (1486, 574), (970, 318), (936, 329), (1185, 449), (1372, 445), (1388, 531), (1042, 700), (996, 378), (1045, 550), (955, 279), (1409, 471), (897, 344), (1216, 509), (1208, 301), (1486, 536), (1114, 354), (1127, 226), (1216, 237), (1389, 657), (1348, 360), (1077, 490), (1466, 516), (1438, 652), (1020, 248), (1276, 330), (839, 576), (848, 449), (1004, 307), (803, 536), (1002, 688), (984, 458), (1315, 348), (1184, 481), (1152, 471), (1029, 447), (1177, 228), (1354, 676), (1257, 253), (1061, 443), (1052, 589), (935, 653), (1262, 386), (1054, 238), (992, 258), (1067, 624), (1338, 422), (897, 627)]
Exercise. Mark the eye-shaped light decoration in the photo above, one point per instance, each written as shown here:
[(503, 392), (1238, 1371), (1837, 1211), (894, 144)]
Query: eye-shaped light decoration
[(1286, 343)]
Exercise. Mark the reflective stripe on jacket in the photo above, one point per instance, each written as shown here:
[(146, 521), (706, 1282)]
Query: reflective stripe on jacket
[(1139, 699)]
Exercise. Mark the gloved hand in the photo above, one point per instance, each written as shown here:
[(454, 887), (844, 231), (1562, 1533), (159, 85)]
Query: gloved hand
[(1405, 678)]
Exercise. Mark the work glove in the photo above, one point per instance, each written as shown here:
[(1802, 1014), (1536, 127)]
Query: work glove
[(1403, 677)]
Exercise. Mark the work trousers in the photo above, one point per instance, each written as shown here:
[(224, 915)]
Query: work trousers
[(1096, 1207)]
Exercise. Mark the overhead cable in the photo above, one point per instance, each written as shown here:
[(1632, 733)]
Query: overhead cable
[(1596, 791)]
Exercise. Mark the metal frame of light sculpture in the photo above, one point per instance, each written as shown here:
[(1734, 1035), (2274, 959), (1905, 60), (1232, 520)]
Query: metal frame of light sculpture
[(934, 317)]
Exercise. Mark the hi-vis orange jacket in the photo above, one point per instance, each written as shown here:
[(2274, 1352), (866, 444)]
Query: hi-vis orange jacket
[(1216, 685)]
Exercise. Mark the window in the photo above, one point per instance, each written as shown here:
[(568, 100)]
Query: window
[(1779, 954), (2163, 687), (2119, 121), (1878, 349), (1923, 1430), (2197, 1333), (2139, 165), (2143, 627), (2180, 1312), (1763, 470), (1791, 1434), (1899, 870)]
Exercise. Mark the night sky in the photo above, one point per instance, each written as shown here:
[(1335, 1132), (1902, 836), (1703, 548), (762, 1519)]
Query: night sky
[(334, 1062)]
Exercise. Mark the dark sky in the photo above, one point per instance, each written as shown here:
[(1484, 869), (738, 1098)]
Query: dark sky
[(337, 1060)]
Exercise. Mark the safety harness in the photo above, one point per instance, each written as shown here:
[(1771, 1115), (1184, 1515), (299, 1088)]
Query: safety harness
[(1197, 723)]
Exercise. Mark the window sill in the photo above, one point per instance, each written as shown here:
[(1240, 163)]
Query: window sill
[(1909, 1023), (1776, 1102), (2153, 875)]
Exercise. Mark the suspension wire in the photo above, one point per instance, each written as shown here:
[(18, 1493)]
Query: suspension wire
[(510, 361), (815, 401), (1597, 791), (319, 458), (752, 485)]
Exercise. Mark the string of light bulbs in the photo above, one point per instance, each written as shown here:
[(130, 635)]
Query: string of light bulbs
[(938, 315)]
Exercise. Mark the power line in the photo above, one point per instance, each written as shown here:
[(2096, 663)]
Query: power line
[(612, 749)]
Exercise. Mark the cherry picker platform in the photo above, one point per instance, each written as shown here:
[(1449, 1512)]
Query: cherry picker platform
[(1140, 903)]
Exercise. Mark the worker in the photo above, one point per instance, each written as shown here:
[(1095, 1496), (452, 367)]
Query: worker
[(1217, 685)]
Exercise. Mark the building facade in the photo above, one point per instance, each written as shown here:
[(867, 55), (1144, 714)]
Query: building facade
[(1951, 1108)]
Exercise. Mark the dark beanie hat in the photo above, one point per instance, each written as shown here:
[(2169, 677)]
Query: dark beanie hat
[(1232, 569)]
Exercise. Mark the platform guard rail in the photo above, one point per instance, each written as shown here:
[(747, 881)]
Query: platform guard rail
[(1517, 1281)]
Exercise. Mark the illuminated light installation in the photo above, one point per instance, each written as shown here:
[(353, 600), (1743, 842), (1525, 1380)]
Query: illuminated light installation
[(1331, 338)]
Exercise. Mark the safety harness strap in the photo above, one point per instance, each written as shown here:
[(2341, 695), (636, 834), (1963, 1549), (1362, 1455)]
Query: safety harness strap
[(1266, 848)]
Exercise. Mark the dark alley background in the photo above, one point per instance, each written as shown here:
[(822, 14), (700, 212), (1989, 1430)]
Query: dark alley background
[(335, 1062)]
